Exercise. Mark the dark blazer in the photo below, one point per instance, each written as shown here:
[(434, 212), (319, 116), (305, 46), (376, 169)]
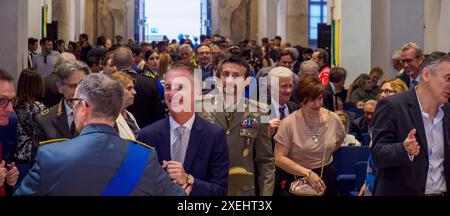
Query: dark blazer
[(147, 107), (206, 157), (292, 107), (328, 100), (84, 166), (52, 124), (52, 96), (358, 127), (405, 78), (395, 117)]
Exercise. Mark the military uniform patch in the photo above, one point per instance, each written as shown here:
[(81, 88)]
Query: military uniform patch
[(45, 112)]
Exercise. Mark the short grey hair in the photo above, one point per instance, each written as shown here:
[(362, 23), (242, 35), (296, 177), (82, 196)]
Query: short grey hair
[(309, 65), (67, 68), (64, 57), (397, 55), (433, 62), (371, 102), (186, 46), (280, 72), (103, 95)]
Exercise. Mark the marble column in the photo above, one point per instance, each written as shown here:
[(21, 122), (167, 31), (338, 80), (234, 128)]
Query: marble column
[(297, 22), (61, 14)]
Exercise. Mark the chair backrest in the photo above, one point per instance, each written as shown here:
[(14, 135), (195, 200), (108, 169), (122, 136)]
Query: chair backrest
[(345, 158), (365, 139), (360, 173)]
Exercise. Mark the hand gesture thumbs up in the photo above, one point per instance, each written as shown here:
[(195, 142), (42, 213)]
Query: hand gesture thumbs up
[(411, 145)]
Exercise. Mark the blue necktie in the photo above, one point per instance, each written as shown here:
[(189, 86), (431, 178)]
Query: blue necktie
[(414, 83)]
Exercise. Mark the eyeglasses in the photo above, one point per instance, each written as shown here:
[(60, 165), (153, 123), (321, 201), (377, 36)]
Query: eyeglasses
[(386, 91), (403, 61), (4, 102), (72, 101), (72, 86)]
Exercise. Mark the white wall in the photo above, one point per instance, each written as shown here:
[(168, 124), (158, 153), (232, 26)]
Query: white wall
[(444, 27), (356, 37), (13, 53), (381, 43), (437, 25)]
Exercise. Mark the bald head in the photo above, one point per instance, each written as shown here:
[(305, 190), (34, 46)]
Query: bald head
[(123, 58)]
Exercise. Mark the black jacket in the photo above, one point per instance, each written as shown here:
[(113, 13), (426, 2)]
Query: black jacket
[(395, 117)]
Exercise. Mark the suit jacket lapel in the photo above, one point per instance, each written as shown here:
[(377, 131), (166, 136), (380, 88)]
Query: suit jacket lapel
[(416, 116), (195, 141), (164, 142), (62, 125)]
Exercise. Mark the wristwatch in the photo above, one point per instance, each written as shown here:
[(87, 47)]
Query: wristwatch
[(190, 179)]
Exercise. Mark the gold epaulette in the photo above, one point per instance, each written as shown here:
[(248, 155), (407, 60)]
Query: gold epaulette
[(52, 141), (239, 171), (45, 112), (141, 143)]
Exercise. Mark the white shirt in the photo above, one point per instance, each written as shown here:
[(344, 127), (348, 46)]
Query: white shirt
[(435, 139), (45, 67), (173, 136), (69, 113), (276, 106)]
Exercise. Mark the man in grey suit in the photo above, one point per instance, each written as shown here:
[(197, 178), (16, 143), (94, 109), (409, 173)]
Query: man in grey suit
[(98, 162)]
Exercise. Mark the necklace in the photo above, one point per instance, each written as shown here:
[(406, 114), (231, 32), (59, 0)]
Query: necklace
[(315, 134)]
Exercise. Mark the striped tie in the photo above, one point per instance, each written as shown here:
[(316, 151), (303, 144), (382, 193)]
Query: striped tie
[(180, 145)]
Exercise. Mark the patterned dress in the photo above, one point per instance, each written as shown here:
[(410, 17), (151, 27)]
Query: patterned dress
[(25, 130)]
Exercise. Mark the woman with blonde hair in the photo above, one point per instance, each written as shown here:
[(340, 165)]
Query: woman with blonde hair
[(126, 123), (165, 61)]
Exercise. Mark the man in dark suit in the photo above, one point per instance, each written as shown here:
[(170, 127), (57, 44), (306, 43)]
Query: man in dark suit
[(334, 90), (147, 107), (202, 160), (411, 136), (57, 121), (280, 108), (8, 132), (364, 124), (98, 161), (411, 58)]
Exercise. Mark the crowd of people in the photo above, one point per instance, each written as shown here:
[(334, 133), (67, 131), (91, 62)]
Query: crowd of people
[(214, 119)]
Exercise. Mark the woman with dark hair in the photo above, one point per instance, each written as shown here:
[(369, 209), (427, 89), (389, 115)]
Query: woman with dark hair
[(151, 64), (307, 139), (28, 105)]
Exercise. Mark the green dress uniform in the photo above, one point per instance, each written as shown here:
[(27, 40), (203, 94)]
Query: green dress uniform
[(252, 161)]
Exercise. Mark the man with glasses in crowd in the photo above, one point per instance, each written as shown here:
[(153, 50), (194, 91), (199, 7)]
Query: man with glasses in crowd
[(8, 171), (98, 162), (57, 121), (411, 58)]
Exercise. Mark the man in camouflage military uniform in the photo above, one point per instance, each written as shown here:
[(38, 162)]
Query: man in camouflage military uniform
[(252, 163)]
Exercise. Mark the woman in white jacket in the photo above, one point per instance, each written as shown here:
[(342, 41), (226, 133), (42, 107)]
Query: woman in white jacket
[(126, 123)]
